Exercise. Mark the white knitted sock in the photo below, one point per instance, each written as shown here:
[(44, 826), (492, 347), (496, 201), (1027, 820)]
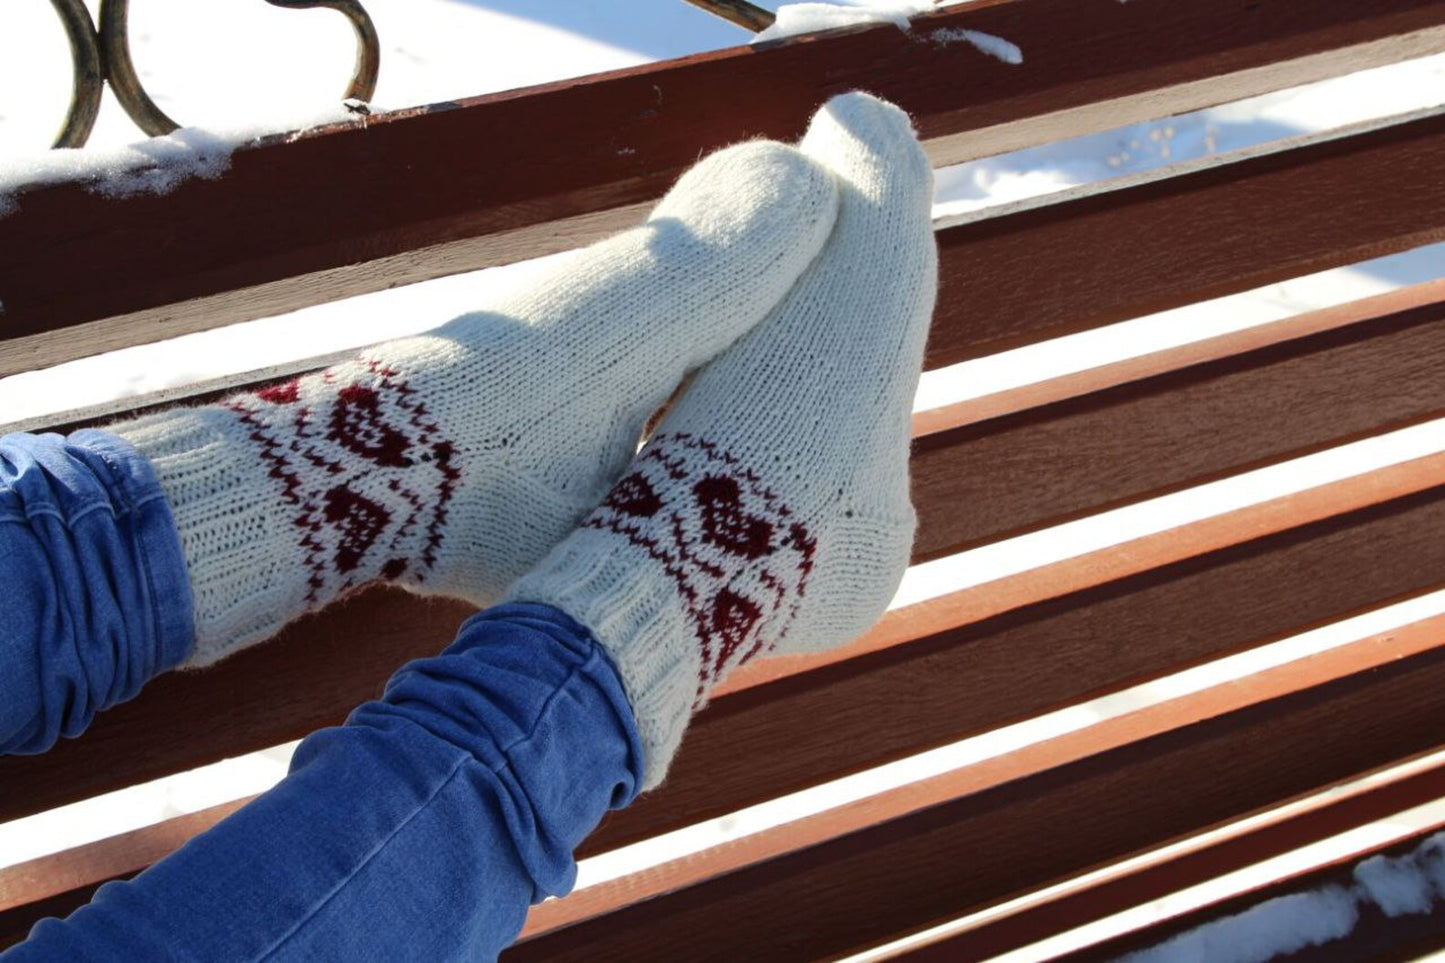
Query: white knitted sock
[(451, 462), (770, 511)]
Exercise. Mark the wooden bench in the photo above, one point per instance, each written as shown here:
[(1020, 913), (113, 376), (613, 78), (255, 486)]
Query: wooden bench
[(986, 855)]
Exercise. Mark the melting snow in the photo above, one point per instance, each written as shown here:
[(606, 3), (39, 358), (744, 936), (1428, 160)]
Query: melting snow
[(996, 47), (156, 165), (796, 18)]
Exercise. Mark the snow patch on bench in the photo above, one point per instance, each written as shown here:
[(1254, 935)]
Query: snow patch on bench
[(156, 165), (1395, 885), (799, 18), (996, 47)]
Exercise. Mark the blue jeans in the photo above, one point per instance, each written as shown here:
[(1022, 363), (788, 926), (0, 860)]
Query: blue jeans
[(419, 830)]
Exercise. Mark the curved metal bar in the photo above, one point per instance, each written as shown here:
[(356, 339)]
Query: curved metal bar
[(88, 73), (746, 15), (115, 42), (368, 45)]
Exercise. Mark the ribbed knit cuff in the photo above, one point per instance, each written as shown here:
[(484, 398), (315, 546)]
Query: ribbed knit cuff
[(630, 604), (226, 508), (136, 487)]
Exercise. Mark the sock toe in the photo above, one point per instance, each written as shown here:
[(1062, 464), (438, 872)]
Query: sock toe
[(758, 191), (861, 138)]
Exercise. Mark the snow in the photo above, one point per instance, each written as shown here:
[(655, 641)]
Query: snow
[(201, 65), (156, 165), (996, 47), (1262, 932), (799, 18), (1395, 885)]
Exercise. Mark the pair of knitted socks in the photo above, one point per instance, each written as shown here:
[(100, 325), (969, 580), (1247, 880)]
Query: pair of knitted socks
[(769, 511)]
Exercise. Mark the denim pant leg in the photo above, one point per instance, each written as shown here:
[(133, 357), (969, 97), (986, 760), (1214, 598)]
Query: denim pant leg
[(96, 598), (420, 830)]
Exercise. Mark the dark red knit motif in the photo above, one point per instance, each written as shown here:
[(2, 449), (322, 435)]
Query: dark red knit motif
[(739, 559), (365, 468)]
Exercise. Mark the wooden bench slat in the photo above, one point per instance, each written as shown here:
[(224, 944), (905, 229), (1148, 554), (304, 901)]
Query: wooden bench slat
[(967, 680), (284, 689), (1026, 276), (15, 923), (1047, 391), (1021, 472), (426, 192), (1375, 936), (893, 878), (83, 867), (1322, 817), (1073, 265), (311, 675)]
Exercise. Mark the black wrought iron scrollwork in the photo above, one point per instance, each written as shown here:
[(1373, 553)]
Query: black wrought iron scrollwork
[(103, 55)]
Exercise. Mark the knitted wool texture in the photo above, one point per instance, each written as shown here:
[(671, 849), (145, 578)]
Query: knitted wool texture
[(770, 511), (451, 462)]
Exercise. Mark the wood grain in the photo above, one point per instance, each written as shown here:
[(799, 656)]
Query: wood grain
[(305, 222), (291, 686), (1182, 865), (1375, 936), (311, 675), (895, 877), (1079, 264), (1028, 470), (967, 680)]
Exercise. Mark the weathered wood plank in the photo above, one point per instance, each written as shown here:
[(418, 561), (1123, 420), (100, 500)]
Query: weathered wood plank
[(1065, 267), (966, 680), (892, 878), (305, 222), (1038, 467), (1375, 936), (1301, 824)]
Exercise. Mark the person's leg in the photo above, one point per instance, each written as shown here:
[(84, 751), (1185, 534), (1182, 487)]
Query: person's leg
[(420, 830), (96, 596), (447, 463), (450, 462), (770, 510)]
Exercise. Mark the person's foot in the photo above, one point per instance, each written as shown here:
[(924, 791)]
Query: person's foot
[(770, 510), (452, 461)]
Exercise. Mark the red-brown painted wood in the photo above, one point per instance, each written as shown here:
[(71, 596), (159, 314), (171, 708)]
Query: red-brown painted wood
[(768, 740), (1041, 466), (518, 160), (1375, 936), (311, 675), (896, 877), (1199, 866), (1078, 265)]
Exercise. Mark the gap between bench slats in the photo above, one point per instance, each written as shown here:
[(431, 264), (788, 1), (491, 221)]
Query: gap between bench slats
[(1375, 936), (260, 712), (1013, 278), (292, 685), (304, 223), (894, 877), (1303, 823), (1060, 461)]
